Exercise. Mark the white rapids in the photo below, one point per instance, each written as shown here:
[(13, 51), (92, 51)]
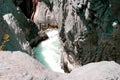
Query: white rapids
[(49, 51)]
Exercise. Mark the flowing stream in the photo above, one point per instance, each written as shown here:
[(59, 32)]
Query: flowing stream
[(49, 51)]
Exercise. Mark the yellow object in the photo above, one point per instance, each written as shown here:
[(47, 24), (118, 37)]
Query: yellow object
[(5, 37), (0, 48)]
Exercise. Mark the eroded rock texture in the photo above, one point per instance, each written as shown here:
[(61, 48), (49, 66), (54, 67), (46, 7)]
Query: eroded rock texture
[(44, 18), (20, 30), (88, 29), (20, 66)]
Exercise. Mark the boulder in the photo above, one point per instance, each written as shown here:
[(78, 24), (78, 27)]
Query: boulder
[(20, 66), (103, 70)]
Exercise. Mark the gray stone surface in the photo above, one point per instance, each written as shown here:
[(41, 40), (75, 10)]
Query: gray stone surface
[(17, 40), (96, 71), (86, 30), (23, 33), (43, 16), (20, 66)]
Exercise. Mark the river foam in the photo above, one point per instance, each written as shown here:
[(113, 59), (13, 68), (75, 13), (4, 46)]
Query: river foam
[(49, 51)]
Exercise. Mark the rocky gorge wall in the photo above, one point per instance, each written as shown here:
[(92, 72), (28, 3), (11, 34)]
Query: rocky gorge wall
[(23, 33), (88, 29)]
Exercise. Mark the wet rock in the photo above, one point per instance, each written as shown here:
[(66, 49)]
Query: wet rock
[(42, 36)]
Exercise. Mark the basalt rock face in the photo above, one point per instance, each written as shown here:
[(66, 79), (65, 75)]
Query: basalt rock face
[(88, 29), (21, 31)]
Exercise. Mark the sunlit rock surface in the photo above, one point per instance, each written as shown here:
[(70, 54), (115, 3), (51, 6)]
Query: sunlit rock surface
[(96, 71), (20, 66), (87, 30)]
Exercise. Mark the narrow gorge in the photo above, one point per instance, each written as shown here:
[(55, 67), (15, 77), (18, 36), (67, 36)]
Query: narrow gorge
[(59, 40)]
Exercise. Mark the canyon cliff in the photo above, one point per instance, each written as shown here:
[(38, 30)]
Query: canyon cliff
[(88, 29)]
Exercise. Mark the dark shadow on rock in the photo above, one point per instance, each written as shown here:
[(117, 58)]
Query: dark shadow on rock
[(34, 42)]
